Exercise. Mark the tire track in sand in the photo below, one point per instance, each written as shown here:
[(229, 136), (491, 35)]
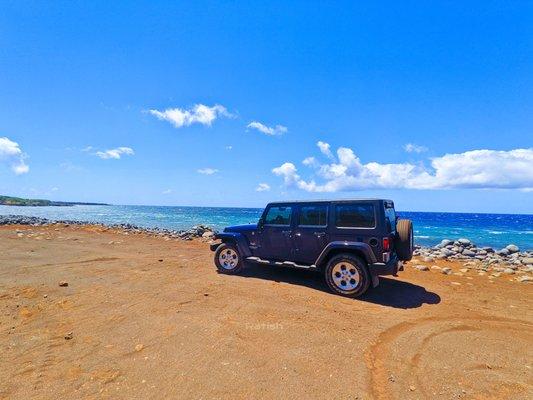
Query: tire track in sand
[(377, 354)]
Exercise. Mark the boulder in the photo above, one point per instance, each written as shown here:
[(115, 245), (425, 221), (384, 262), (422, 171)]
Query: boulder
[(421, 267), (512, 249), (503, 252), (447, 252), (445, 242), (464, 242), (468, 253)]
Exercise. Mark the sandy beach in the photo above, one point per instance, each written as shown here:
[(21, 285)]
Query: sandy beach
[(90, 312)]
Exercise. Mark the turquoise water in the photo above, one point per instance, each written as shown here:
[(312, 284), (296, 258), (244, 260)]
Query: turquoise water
[(495, 230)]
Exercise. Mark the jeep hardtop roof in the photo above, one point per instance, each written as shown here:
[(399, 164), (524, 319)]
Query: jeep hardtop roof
[(328, 201)]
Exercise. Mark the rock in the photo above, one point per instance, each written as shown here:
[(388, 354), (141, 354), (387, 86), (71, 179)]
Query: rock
[(421, 267), (436, 267), (447, 252), (446, 270), (456, 283), (525, 279), (63, 283), (445, 242), (427, 259), (465, 242), (469, 253), (464, 270), (503, 252), (139, 347), (513, 248), (508, 271), (69, 336), (208, 234), (527, 260)]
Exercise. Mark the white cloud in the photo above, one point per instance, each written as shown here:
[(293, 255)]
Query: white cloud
[(325, 149), (167, 191), (267, 130), (207, 171), (229, 147), (115, 153), (11, 153), (478, 169), (310, 161), (414, 148), (198, 114), (262, 187)]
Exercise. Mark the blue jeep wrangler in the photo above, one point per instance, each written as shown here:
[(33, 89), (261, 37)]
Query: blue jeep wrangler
[(351, 241)]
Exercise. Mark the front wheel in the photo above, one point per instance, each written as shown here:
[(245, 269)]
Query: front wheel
[(227, 259), (347, 275)]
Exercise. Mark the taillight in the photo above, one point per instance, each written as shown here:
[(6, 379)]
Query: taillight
[(386, 244)]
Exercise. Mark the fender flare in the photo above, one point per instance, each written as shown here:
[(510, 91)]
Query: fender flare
[(363, 248), (237, 239)]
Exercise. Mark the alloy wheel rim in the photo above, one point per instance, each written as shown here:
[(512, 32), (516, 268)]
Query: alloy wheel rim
[(228, 259), (345, 276)]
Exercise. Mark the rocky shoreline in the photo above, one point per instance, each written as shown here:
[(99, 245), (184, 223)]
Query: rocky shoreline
[(486, 260), (198, 231)]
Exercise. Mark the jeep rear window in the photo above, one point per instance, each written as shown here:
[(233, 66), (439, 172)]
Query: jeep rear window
[(278, 216), (355, 216), (313, 216)]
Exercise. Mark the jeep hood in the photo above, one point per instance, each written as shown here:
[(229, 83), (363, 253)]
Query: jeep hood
[(241, 228)]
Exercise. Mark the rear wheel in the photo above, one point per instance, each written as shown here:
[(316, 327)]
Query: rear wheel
[(404, 243), (347, 275), (227, 259)]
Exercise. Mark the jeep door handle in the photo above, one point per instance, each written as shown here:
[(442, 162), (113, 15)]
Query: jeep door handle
[(319, 234)]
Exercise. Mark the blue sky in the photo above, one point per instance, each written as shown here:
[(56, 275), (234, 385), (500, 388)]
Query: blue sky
[(219, 103)]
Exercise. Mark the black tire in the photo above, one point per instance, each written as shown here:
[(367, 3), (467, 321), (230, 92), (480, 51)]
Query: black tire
[(228, 267), (404, 243), (351, 263)]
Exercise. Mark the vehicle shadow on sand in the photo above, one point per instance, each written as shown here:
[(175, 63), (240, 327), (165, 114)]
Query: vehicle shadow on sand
[(389, 293)]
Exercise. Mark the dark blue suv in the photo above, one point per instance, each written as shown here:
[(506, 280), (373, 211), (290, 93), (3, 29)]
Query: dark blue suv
[(351, 241)]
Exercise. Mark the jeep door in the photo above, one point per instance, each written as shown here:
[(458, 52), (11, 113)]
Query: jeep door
[(275, 233), (310, 234)]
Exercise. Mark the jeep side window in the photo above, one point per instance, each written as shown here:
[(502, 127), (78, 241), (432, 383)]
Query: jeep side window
[(278, 216), (390, 216), (355, 216), (313, 216)]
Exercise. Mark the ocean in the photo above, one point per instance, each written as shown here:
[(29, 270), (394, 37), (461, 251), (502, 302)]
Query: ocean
[(495, 230)]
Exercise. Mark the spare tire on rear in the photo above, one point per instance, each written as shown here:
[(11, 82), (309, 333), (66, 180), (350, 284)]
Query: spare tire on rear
[(404, 239)]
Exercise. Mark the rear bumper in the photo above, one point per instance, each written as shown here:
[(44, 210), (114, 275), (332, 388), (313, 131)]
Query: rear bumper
[(390, 268)]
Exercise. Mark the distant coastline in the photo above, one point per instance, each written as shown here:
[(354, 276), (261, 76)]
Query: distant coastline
[(18, 201)]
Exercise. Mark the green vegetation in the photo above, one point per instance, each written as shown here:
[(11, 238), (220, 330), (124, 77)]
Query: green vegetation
[(17, 201)]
